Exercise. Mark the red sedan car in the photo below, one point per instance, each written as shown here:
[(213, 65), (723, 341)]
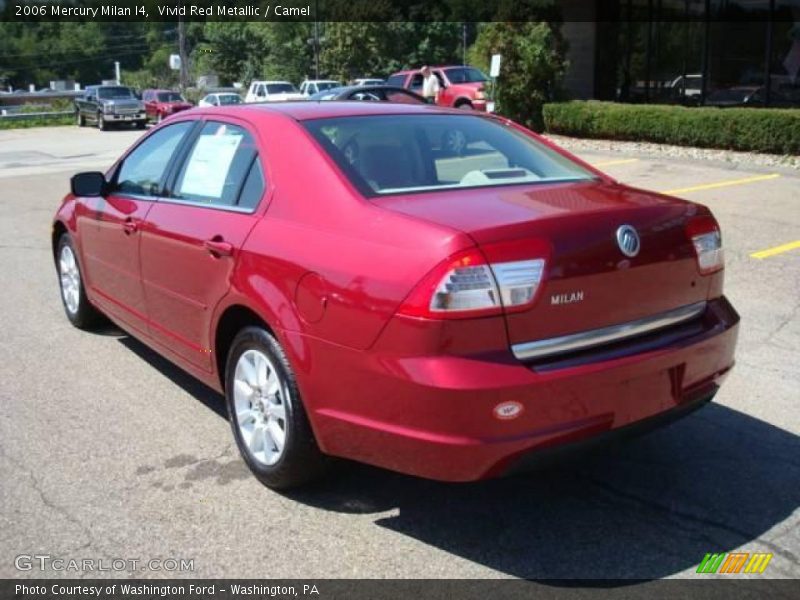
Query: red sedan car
[(355, 290)]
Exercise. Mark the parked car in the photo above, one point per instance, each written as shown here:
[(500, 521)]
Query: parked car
[(461, 87), (272, 91), (747, 95), (159, 104), (220, 99), (375, 93), (110, 104), (368, 81), (313, 86), (452, 318), (685, 90), (451, 140)]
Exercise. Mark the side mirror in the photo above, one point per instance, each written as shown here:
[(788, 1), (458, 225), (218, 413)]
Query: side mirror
[(89, 184)]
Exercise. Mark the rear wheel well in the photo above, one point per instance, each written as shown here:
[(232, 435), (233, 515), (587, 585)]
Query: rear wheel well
[(59, 229), (233, 320), (461, 102)]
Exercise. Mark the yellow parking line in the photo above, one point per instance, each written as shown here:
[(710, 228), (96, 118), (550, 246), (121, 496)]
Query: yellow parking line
[(719, 184), (776, 250), (610, 163)]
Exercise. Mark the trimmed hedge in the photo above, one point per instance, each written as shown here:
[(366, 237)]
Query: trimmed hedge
[(770, 130)]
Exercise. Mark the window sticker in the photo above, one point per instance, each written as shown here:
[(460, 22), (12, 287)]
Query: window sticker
[(209, 164)]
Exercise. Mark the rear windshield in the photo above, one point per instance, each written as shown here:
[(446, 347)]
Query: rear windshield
[(391, 154), (225, 99), (114, 93), (327, 85), (280, 88), (170, 97)]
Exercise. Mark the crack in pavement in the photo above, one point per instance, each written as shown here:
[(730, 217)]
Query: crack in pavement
[(37, 487)]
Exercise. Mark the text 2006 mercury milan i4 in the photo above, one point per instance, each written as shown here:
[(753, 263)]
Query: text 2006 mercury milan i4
[(355, 290)]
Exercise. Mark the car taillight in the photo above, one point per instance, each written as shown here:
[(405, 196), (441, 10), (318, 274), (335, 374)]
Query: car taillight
[(707, 241), (480, 95), (474, 283)]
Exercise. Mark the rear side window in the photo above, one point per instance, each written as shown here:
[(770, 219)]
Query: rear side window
[(143, 169), (216, 166), (253, 188)]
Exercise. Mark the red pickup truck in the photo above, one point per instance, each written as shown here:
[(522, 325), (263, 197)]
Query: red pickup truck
[(461, 86), (160, 104)]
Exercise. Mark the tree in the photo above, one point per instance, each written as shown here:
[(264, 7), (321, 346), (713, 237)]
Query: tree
[(533, 66), (358, 49)]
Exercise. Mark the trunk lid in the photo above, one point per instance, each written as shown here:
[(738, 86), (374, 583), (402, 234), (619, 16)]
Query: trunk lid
[(588, 283)]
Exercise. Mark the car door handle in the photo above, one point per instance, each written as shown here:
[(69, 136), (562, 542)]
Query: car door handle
[(218, 247), (130, 226)]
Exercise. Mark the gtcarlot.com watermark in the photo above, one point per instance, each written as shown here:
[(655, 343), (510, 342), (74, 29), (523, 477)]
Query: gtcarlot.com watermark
[(46, 562)]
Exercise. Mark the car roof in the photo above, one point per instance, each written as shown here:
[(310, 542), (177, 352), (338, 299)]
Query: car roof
[(258, 81), (417, 70), (308, 110)]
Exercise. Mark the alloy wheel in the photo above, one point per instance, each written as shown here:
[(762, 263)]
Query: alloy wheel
[(70, 280), (260, 398)]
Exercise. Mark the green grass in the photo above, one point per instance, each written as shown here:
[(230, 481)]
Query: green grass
[(36, 122)]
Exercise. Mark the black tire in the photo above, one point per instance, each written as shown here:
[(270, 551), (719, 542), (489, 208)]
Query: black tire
[(466, 105), (84, 316), (101, 122), (80, 119), (301, 461), (141, 124)]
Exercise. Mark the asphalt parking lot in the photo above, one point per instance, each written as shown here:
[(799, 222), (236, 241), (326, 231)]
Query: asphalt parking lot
[(108, 451)]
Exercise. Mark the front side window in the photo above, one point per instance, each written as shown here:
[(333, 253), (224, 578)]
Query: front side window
[(389, 154), (143, 169), (217, 165)]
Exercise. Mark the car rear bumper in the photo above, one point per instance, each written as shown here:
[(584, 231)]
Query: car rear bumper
[(437, 416)]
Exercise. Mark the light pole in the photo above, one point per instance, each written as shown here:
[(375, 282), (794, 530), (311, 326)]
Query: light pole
[(316, 39), (463, 43)]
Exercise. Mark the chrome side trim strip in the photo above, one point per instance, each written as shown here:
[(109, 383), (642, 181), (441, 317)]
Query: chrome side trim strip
[(605, 335)]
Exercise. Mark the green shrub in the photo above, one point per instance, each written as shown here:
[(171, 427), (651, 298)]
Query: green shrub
[(748, 129)]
